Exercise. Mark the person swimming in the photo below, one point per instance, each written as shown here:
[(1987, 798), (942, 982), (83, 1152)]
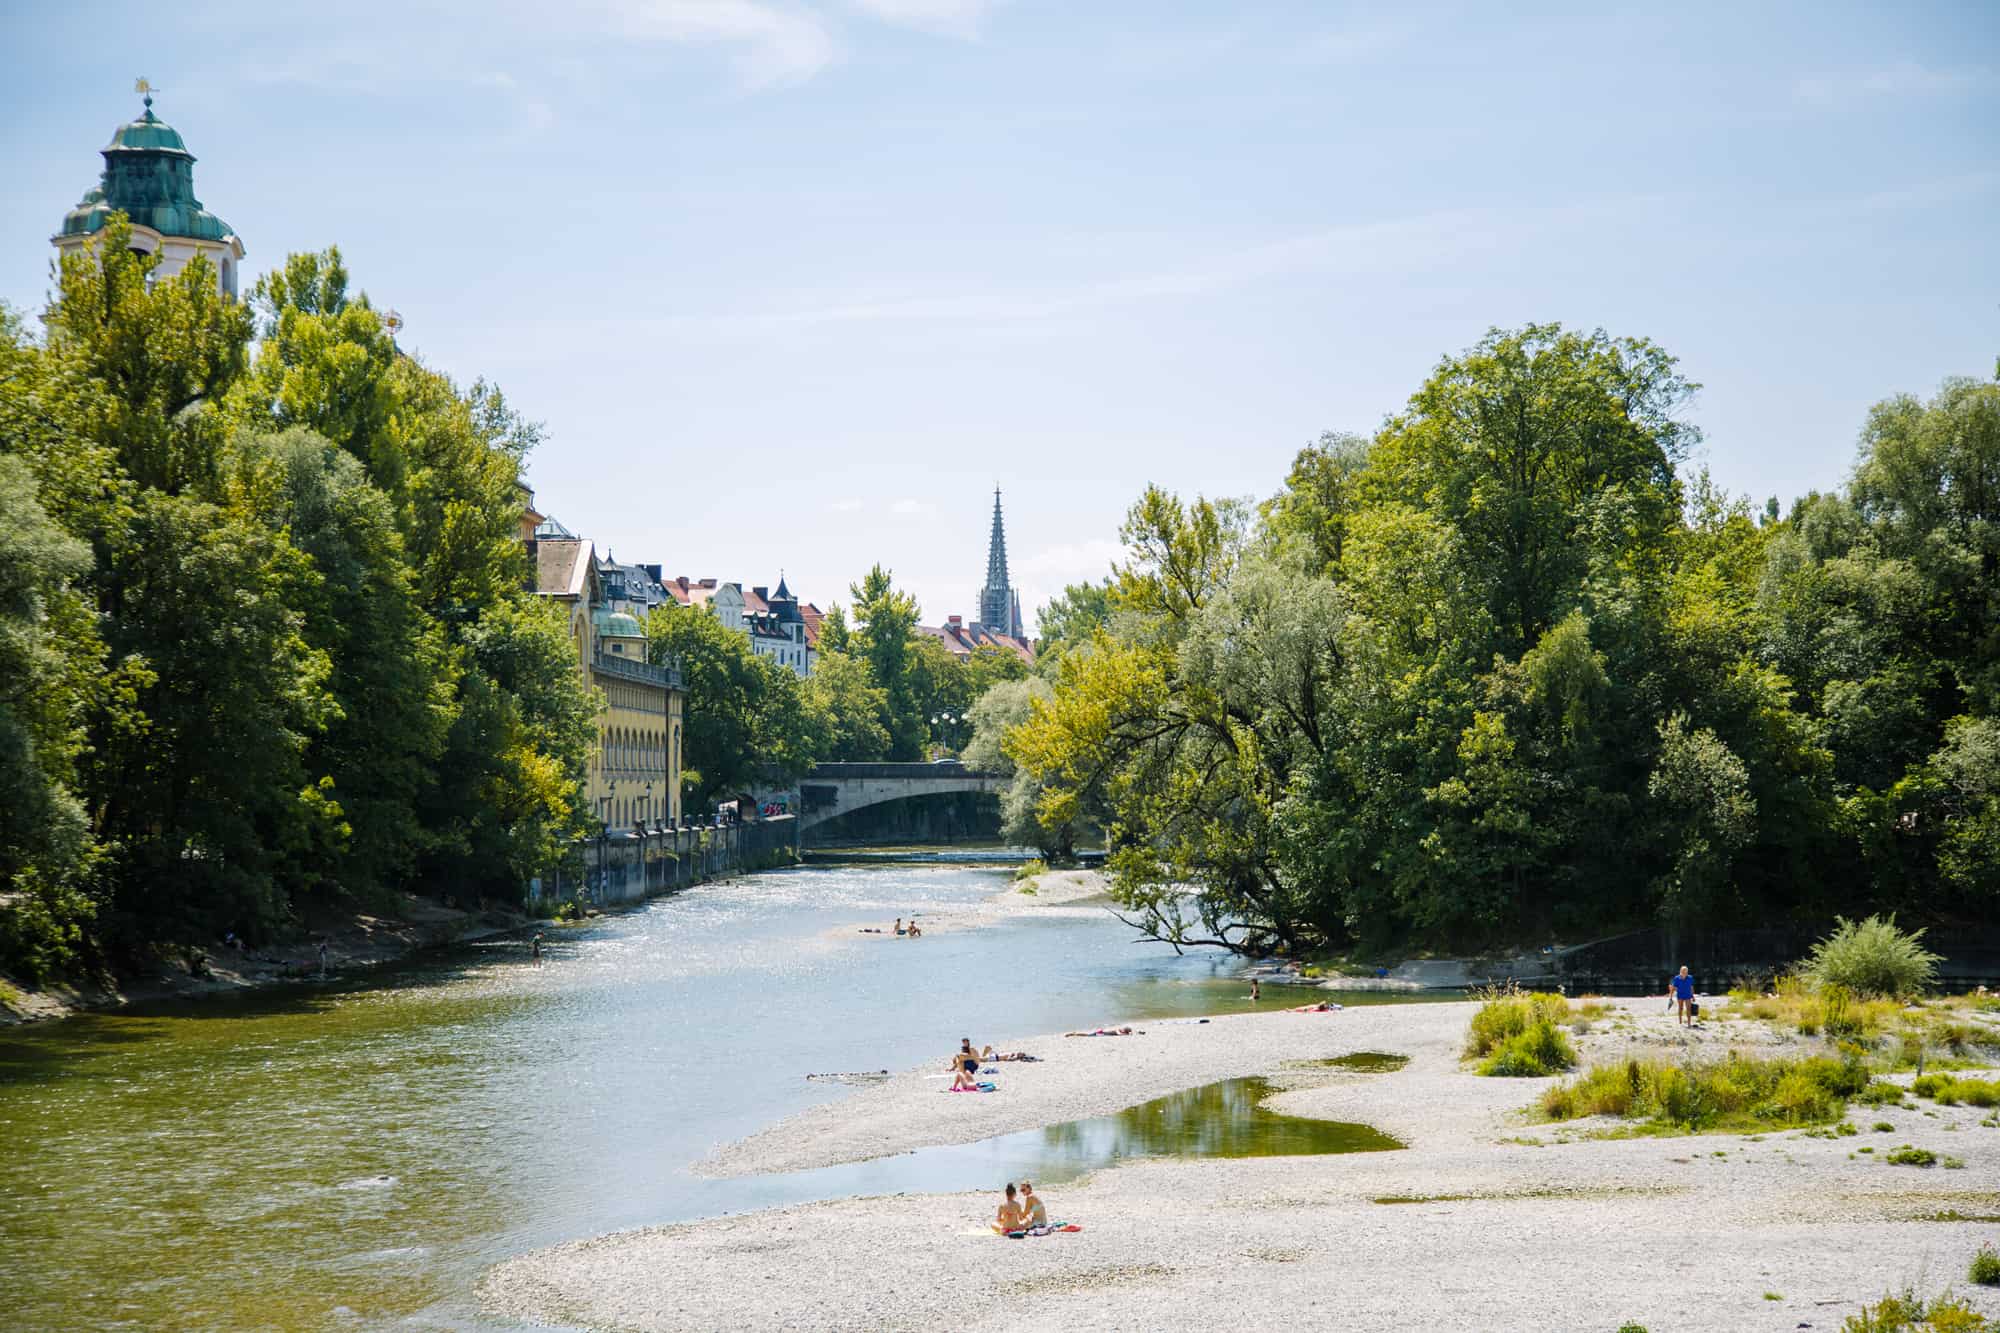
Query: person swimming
[(1008, 1218)]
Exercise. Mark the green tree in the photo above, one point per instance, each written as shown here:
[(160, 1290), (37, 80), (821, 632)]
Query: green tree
[(1073, 615), (852, 709), (394, 679), (885, 638), (47, 647), (749, 721)]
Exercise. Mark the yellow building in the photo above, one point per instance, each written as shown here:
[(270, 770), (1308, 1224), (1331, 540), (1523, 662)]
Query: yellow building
[(635, 772)]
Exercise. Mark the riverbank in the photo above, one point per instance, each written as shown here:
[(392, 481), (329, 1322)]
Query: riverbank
[(1484, 1220), (355, 943)]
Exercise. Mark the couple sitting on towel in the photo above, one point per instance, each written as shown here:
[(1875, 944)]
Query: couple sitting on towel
[(965, 1064), (1020, 1212)]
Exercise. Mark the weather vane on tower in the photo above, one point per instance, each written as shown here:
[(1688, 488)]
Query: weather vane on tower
[(144, 87)]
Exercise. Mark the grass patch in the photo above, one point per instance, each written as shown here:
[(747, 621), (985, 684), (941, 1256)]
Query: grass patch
[(1518, 1035), (1908, 1156), (1985, 1268), (1773, 1296), (1733, 1095), (1028, 869), (1947, 1090), (1910, 1313), (1883, 1127)]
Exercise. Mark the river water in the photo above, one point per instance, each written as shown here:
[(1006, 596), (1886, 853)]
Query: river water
[(354, 1158)]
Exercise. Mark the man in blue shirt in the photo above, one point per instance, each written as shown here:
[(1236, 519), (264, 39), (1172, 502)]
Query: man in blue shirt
[(1683, 992)]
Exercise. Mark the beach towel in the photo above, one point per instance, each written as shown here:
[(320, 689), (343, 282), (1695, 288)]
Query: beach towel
[(1049, 1230), (983, 1087)]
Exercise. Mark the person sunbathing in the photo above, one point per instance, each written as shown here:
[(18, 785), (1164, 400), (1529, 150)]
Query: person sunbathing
[(1033, 1213), (1321, 1008), (1105, 1032), (964, 1081), (990, 1057), (1009, 1217)]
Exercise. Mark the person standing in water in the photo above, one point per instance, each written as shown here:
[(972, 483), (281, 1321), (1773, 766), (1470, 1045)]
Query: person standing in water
[(535, 948), (1682, 988), (1255, 993)]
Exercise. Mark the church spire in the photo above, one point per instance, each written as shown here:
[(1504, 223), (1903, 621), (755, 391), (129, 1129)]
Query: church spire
[(999, 608)]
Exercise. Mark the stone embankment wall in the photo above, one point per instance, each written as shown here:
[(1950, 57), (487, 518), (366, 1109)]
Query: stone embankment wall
[(629, 868)]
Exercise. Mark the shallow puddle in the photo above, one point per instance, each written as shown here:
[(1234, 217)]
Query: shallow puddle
[(1360, 1062), (1223, 1119)]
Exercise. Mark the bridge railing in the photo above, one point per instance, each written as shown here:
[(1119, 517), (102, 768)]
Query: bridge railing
[(949, 768)]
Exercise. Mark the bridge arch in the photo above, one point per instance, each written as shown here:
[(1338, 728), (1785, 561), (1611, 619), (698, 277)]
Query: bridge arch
[(828, 791)]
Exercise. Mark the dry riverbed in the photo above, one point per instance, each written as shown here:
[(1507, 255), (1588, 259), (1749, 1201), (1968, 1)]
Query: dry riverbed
[(1485, 1221)]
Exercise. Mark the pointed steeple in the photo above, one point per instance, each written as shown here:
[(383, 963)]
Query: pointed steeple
[(996, 599)]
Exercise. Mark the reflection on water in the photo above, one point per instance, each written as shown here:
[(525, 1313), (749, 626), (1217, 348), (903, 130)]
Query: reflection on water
[(1224, 1119), (357, 1157)]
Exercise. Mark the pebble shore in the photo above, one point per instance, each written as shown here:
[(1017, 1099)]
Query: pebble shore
[(1485, 1221)]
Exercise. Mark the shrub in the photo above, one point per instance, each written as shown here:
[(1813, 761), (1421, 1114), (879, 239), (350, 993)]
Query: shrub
[(1729, 1094), (1536, 1053), (1507, 1013), (1985, 1268), (1908, 1156), (1949, 1091), (1880, 1093), (1030, 868), (1872, 957)]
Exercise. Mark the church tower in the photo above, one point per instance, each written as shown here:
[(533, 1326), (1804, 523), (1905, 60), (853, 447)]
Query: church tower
[(999, 604), (149, 176)]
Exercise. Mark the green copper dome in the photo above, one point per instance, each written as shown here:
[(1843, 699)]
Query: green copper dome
[(618, 625), (149, 175)]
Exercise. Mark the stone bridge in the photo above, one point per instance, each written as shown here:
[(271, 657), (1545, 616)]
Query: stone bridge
[(836, 789)]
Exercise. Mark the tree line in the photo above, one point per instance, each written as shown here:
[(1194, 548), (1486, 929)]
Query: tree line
[(879, 690), (1511, 669), (267, 637)]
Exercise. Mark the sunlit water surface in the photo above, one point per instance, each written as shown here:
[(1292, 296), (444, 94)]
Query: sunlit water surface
[(356, 1157)]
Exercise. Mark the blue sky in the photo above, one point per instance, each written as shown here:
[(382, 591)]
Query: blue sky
[(794, 283)]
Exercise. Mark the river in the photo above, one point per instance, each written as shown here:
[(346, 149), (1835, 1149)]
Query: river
[(355, 1157)]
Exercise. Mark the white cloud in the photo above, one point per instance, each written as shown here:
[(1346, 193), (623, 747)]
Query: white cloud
[(845, 506), (775, 43), (948, 18), (1905, 78), (912, 507)]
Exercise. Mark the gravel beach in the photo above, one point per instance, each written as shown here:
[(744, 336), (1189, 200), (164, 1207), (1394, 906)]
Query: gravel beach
[(1484, 1221)]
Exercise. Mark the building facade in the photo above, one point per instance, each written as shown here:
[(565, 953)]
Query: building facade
[(149, 176), (634, 778), (778, 625)]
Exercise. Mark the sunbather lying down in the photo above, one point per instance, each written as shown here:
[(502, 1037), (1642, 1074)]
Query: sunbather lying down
[(1109, 1032), (1010, 1055), (1321, 1008)]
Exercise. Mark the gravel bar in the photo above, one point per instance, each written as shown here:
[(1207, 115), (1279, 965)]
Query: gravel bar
[(1486, 1221)]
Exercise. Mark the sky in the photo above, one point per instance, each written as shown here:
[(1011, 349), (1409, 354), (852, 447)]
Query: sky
[(793, 284)]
